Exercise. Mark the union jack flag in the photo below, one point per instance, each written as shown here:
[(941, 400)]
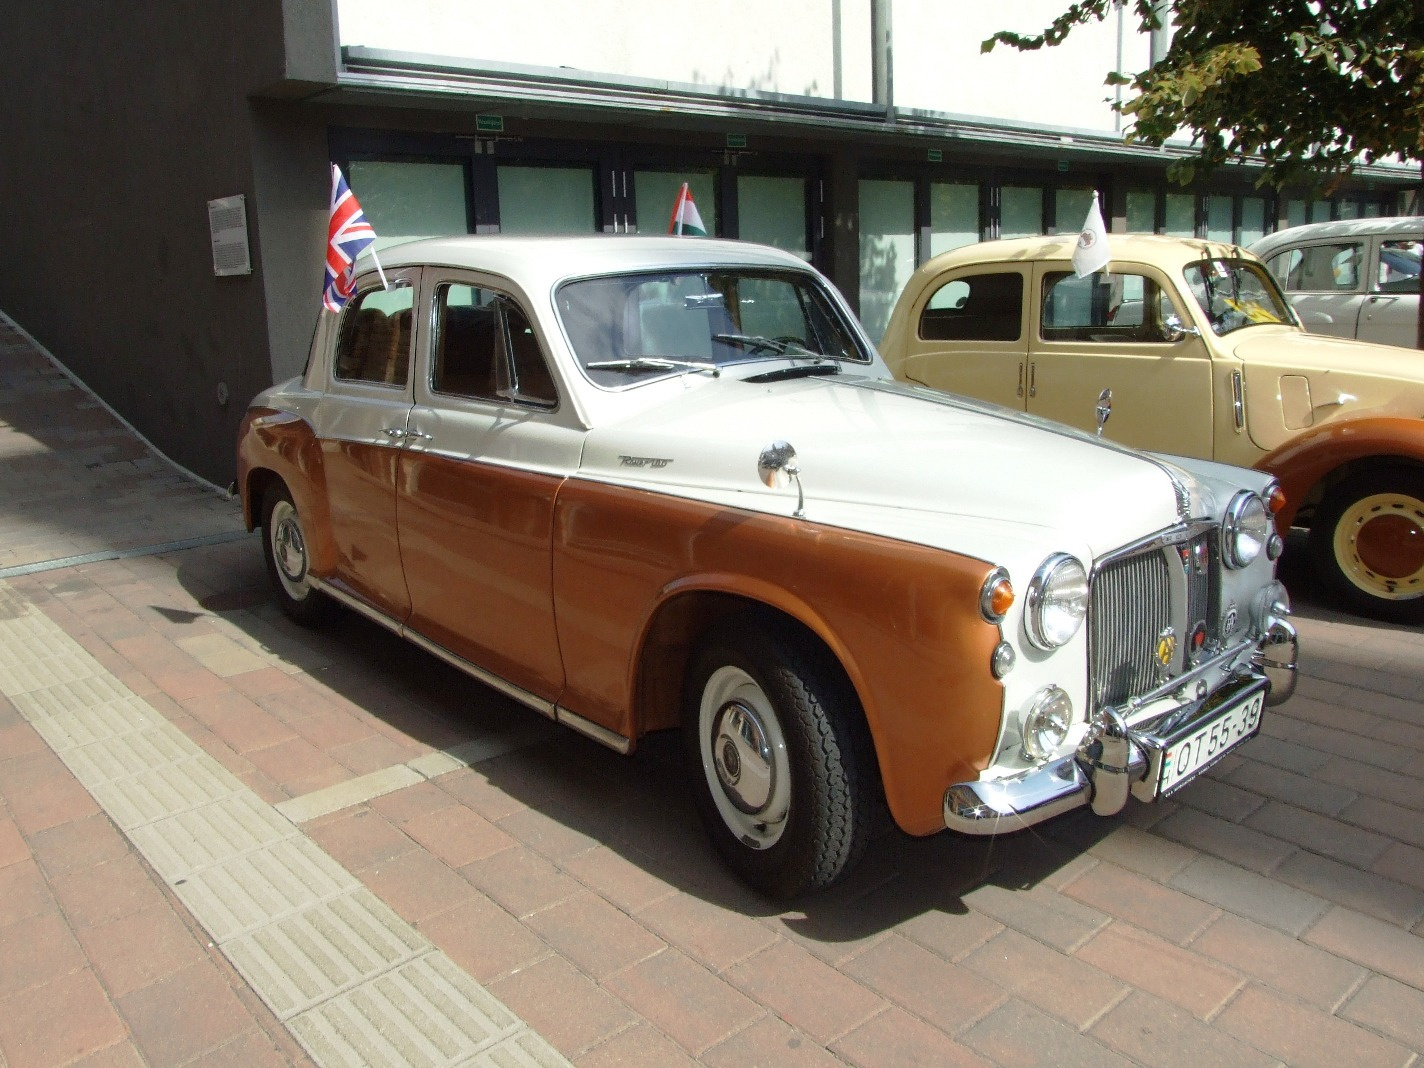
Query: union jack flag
[(348, 235)]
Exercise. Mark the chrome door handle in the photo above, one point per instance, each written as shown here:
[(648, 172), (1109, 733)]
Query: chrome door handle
[(1033, 380), (1019, 391), (417, 435), (395, 433)]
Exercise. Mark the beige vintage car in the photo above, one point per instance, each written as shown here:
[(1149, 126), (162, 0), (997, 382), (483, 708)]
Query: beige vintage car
[(1203, 357)]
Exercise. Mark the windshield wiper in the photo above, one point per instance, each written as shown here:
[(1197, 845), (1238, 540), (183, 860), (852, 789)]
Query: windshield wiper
[(805, 370), (654, 363), (755, 343)]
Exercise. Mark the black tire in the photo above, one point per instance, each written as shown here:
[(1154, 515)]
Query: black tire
[(1367, 544), (284, 545), (779, 754)]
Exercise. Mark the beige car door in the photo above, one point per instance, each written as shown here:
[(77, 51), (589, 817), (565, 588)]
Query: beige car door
[(970, 335), (1119, 330)]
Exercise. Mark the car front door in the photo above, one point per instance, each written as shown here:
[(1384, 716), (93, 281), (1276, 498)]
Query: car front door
[(1120, 330), (490, 444), (970, 337), (360, 423)]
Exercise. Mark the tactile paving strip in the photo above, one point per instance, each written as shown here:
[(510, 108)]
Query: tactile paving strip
[(355, 984)]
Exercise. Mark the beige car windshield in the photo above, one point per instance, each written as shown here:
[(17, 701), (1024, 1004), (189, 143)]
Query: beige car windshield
[(1236, 294)]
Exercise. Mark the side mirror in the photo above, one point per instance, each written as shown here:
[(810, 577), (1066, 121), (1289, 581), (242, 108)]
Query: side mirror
[(777, 468), (1104, 409), (1176, 330)]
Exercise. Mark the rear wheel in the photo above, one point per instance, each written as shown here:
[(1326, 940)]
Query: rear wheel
[(780, 756), (284, 542), (1367, 541)]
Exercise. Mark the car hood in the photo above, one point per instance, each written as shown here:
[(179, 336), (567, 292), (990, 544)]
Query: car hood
[(871, 449), (1296, 380), (1292, 351)]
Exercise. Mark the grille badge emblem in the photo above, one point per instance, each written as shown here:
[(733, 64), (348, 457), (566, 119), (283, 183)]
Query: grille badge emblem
[(1166, 650)]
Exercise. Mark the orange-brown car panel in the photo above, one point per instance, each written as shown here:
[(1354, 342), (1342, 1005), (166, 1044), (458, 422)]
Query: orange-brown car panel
[(475, 541), (1302, 462), (285, 445), (903, 619)]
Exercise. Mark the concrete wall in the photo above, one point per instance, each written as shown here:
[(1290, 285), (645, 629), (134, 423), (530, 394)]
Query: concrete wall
[(120, 123)]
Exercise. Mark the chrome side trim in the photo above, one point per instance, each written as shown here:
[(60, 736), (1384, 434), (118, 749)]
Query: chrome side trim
[(612, 739), (357, 604), (1238, 400), (602, 735)]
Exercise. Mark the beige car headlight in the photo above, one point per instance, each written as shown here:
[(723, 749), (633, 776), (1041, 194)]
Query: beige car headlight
[(1057, 602)]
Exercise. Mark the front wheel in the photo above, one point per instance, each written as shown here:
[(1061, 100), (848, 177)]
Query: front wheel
[(1367, 542), (780, 756), (284, 543)]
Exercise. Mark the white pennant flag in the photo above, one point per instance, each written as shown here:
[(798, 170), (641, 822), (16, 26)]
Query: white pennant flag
[(1091, 253)]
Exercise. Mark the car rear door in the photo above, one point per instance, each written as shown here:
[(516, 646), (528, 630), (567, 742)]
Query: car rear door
[(360, 423), (1390, 313), (969, 335)]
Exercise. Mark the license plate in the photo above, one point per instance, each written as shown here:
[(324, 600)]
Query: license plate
[(1183, 759)]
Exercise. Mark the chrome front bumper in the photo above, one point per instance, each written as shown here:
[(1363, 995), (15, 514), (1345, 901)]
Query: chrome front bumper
[(1118, 758)]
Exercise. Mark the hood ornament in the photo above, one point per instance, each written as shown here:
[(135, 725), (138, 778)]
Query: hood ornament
[(1104, 409), (777, 469)]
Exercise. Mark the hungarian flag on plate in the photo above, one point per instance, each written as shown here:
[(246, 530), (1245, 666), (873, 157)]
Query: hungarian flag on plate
[(685, 219)]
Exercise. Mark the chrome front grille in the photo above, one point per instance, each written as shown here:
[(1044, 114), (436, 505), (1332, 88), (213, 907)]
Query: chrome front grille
[(1164, 591)]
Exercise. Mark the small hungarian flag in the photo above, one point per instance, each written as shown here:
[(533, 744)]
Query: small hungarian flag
[(685, 219)]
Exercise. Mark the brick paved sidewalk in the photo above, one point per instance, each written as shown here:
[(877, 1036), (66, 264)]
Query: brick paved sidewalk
[(1271, 913)]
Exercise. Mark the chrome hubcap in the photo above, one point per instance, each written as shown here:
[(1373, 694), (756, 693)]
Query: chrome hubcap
[(744, 757), (289, 549)]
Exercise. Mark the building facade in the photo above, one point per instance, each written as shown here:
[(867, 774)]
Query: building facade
[(165, 175)]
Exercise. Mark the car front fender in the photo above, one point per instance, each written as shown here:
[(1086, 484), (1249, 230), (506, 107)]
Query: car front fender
[(1309, 459)]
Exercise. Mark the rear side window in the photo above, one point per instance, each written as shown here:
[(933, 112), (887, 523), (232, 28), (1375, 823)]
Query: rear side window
[(1398, 267), (981, 307), (374, 343)]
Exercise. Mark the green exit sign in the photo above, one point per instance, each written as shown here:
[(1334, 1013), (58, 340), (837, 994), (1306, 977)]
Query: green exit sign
[(489, 123), (736, 140), (936, 155)]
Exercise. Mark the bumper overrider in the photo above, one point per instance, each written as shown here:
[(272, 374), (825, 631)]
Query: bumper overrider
[(1129, 752)]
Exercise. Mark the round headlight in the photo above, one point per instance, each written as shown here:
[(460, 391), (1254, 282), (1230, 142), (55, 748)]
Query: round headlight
[(1056, 602), (1245, 529), (1046, 725)]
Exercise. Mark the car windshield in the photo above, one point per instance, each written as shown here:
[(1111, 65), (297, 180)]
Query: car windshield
[(1235, 294), (632, 328)]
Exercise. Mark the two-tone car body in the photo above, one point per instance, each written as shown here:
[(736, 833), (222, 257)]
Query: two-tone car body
[(1204, 358), (637, 483)]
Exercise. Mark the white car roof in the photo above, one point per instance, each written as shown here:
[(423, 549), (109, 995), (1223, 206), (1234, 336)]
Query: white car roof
[(540, 262), (1405, 226)]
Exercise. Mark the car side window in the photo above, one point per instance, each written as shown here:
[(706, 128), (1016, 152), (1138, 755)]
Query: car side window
[(1329, 268), (1398, 267), (1105, 307), (980, 307), (485, 348), (373, 343)]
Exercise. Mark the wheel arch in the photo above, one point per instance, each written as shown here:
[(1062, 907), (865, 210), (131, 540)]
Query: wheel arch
[(1312, 464), (274, 447), (686, 612)]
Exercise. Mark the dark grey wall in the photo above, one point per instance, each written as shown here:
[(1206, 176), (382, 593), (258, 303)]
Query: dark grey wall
[(121, 120)]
